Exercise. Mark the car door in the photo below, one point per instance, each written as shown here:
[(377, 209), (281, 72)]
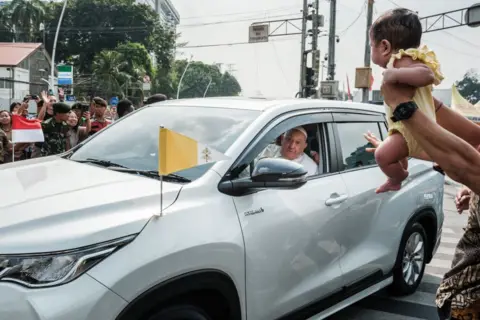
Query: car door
[(291, 251), (362, 258)]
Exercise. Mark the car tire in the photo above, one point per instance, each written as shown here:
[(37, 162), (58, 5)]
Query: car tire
[(410, 265)]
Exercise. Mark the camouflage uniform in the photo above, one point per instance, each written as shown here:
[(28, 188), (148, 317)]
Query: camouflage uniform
[(3, 145), (55, 137)]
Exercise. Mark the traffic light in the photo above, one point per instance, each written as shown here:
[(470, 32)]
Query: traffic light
[(310, 74), (310, 82)]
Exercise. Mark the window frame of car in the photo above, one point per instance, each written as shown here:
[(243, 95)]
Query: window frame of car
[(353, 116), (280, 124)]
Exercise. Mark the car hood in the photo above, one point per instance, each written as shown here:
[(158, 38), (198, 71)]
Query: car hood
[(51, 204)]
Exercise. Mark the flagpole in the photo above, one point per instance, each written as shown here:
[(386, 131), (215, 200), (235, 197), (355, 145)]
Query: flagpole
[(161, 176), (161, 195), (13, 152)]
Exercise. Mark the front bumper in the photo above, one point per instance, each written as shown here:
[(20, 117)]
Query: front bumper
[(82, 299)]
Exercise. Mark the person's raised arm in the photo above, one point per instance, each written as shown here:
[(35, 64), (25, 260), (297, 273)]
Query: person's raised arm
[(457, 124), (43, 110)]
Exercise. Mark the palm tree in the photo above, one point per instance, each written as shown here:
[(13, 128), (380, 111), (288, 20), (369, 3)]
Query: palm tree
[(26, 16), (6, 28), (109, 72)]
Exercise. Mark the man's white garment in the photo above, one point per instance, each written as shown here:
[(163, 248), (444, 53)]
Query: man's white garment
[(307, 163), (274, 151)]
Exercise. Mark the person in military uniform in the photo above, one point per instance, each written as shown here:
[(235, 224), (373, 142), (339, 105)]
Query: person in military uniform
[(55, 131)]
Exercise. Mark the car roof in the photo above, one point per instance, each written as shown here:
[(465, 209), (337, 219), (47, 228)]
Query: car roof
[(264, 104)]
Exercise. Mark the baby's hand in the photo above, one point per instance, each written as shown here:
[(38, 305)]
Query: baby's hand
[(389, 76)]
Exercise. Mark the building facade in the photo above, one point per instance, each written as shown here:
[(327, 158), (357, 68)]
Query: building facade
[(24, 69), (167, 13)]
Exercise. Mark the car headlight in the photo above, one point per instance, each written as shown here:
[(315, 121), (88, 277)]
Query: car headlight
[(55, 268)]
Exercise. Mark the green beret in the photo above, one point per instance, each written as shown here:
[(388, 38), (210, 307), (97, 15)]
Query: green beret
[(61, 107)]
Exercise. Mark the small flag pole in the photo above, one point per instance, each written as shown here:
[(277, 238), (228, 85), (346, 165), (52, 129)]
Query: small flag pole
[(161, 195), (13, 152), (161, 176)]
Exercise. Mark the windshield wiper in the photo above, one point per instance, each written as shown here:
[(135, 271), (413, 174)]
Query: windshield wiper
[(151, 174), (104, 163)]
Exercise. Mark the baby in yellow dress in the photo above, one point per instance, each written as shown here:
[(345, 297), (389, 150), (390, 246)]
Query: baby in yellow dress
[(395, 45)]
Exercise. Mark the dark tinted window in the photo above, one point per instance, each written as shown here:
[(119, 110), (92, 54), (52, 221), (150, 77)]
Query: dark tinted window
[(133, 140), (353, 143)]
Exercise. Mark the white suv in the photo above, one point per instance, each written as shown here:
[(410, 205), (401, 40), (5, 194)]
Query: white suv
[(239, 239)]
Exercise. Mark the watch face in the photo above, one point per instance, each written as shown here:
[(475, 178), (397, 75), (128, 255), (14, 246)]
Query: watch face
[(405, 110)]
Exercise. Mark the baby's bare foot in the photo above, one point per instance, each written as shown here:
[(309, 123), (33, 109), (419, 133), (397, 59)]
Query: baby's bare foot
[(390, 185)]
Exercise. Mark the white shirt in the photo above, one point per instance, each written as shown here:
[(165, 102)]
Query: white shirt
[(273, 151), (308, 164)]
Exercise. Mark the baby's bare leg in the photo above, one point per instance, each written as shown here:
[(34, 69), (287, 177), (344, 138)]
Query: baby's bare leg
[(391, 157)]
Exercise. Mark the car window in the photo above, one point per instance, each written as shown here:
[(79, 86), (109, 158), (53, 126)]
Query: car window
[(353, 144), (383, 129), (271, 145), (133, 141)]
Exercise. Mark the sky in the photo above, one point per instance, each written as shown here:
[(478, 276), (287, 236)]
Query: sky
[(272, 69)]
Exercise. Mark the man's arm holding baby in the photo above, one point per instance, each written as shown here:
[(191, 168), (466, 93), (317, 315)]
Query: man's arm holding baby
[(409, 72)]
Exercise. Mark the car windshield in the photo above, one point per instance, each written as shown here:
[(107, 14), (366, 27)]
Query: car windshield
[(133, 142)]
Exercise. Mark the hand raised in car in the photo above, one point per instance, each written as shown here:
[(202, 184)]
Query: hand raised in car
[(373, 140)]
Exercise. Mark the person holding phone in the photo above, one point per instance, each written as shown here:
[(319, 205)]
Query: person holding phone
[(77, 132)]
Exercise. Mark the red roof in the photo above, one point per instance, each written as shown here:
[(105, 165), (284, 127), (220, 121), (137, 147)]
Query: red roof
[(13, 53)]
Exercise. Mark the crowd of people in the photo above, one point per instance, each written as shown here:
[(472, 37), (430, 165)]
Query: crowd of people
[(63, 126)]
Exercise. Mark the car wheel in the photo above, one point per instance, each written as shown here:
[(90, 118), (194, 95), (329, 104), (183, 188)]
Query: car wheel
[(410, 265), (181, 312)]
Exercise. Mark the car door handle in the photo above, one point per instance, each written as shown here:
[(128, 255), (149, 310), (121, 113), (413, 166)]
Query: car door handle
[(336, 199)]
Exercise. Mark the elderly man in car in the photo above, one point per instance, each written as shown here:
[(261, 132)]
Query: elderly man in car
[(292, 148)]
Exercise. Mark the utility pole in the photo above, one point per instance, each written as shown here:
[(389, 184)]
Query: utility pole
[(365, 91), (315, 51), (331, 40), (303, 64)]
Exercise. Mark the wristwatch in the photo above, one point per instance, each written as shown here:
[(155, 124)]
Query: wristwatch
[(404, 111)]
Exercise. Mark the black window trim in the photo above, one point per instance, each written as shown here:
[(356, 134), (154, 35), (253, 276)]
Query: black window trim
[(346, 117), (325, 116)]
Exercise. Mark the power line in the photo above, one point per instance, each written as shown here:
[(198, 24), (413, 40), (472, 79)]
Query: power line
[(355, 20), (242, 13), (229, 44), (235, 21)]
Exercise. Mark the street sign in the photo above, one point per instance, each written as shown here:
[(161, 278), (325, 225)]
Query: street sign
[(70, 98), (113, 101), (258, 33), (65, 75), (329, 89)]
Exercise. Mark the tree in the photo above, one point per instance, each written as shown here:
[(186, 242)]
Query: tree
[(90, 26), (469, 86), (137, 57), (109, 73), (25, 17), (197, 79), (6, 27)]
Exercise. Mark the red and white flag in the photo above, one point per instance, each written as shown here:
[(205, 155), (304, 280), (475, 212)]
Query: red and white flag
[(26, 130)]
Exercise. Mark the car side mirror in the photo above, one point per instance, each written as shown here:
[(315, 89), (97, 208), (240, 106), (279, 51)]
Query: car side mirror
[(278, 170), (268, 173)]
